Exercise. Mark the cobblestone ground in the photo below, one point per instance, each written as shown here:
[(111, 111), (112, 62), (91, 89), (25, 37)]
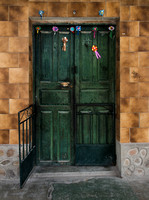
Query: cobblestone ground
[(91, 189)]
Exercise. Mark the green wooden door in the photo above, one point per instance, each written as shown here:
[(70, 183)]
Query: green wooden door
[(75, 124)]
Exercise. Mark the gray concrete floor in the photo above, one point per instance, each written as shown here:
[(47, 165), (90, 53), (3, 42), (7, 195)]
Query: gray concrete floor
[(76, 188)]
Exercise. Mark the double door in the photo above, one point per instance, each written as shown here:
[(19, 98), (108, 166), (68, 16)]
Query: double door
[(74, 95)]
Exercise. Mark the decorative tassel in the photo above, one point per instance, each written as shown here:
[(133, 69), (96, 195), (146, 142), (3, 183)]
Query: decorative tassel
[(94, 29), (78, 29), (94, 49)]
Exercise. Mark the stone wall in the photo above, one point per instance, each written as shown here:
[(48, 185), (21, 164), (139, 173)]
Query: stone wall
[(132, 88)]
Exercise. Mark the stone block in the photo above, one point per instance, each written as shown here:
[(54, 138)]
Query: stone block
[(94, 7), (139, 44), (123, 11), (8, 121), (9, 91), (10, 152), (24, 91), (3, 13), (138, 104), (124, 75), (125, 105), (58, 9), (144, 89), (8, 60), (144, 120), (139, 13), (23, 29), (129, 2), (35, 7), (129, 59), (4, 136), (124, 135), (139, 135), (144, 28), (24, 60), (4, 75), (129, 28), (18, 44), (131, 91), (144, 59), (4, 106), (8, 29), (143, 2), (18, 13), (13, 136), (18, 75), (4, 44), (128, 120), (124, 44), (17, 104), (113, 9), (80, 8)]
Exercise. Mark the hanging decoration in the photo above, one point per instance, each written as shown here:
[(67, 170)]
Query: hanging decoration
[(101, 12), (111, 29), (55, 29), (41, 12), (78, 29), (94, 49), (94, 29), (38, 28), (64, 40), (72, 29)]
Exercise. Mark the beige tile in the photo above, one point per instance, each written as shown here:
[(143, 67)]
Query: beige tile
[(129, 28), (3, 13), (124, 135), (144, 59), (139, 44), (8, 121), (4, 136), (113, 9), (23, 29), (94, 7), (139, 135), (144, 120), (9, 91), (58, 9), (18, 75), (124, 44), (13, 136), (8, 29), (17, 104), (138, 104), (18, 44), (144, 28), (128, 59), (139, 13), (8, 60), (128, 90), (18, 13), (144, 89), (124, 13), (24, 91), (4, 75), (4, 106), (125, 105), (128, 120), (124, 75), (4, 42), (24, 60)]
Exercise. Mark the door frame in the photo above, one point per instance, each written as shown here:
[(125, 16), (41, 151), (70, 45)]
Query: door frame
[(33, 21)]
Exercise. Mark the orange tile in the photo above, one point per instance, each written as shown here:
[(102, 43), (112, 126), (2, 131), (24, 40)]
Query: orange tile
[(23, 30), (128, 59), (129, 2), (144, 59), (80, 8), (18, 44), (58, 10), (8, 29), (18, 13), (124, 135), (17, 104), (94, 7), (9, 91), (128, 90), (18, 75), (125, 105), (13, 136), (144, 120), (144, 28), (4, 136), (139, 135), (124, 44), (144, 89), (139, 44), (138, 104), (24, 91), (24, 60), (8, 60), (4, 106), (128, 120), (129, 28), (8, 121), (4, 42), (34, 8), (4, 75), (124, 13), (113, 9), (139, 13), (124, 75), (3, 13)]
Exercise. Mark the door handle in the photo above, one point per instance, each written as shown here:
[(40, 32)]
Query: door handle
[(65, 84)]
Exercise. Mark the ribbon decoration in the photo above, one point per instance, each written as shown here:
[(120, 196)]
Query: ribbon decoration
[(41, 12), (72, 29), (64, 40), (111, 29), (38, 28), (55, 29), (78, 28), (94, 49), (94, 29), (101, 12)]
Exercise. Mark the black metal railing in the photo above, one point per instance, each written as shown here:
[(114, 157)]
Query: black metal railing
[(26, 142)]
